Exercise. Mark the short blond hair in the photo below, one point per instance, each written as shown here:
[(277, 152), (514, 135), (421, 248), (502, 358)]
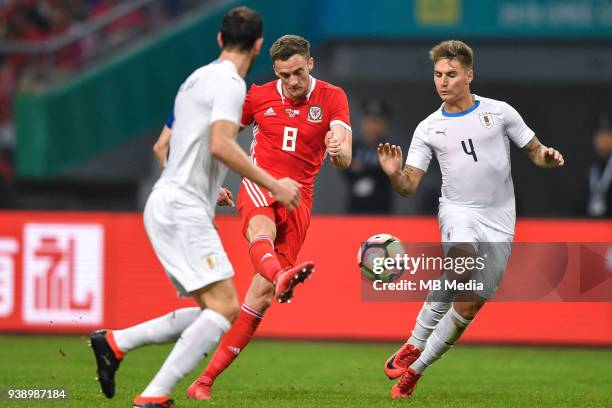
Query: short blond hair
[(452, 49)]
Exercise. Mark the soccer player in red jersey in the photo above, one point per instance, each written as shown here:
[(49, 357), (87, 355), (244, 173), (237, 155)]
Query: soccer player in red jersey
[(298, 121)]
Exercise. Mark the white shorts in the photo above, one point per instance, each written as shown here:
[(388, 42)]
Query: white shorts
[(459, 225), (185, 240)]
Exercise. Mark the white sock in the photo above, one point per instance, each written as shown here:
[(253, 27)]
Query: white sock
[(161, 330), (427, 320), (450, 328), (193, 345)]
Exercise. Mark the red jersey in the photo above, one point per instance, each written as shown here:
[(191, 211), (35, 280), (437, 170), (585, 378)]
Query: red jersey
[(289, 136)]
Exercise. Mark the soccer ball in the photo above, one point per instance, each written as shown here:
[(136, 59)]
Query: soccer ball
[(372, 254)]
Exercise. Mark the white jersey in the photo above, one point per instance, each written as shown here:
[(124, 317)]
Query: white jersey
[(473, 150), (213, 92)]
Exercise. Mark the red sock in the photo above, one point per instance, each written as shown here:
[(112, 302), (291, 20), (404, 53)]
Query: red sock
[(233, 342), (264, 258), (110, 338)]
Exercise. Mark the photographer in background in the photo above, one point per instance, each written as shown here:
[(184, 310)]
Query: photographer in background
[(599, 199), (369, 191)]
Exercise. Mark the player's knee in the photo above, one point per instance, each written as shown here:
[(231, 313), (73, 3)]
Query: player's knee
[(468, 310), (233, 310), (261, 225), (229, 309), (223, 299)]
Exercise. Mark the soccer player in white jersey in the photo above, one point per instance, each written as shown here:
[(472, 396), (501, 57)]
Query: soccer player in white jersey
[(179, 215), (469, 135)]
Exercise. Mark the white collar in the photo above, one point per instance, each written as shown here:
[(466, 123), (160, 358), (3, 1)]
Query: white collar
[(227, 62), (279, 88)]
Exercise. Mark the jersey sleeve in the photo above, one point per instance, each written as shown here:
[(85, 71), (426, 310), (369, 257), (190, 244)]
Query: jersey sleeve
[(515, 128), (339, 114), (419, 153), (170, 120), (247, 109), (227, 100)]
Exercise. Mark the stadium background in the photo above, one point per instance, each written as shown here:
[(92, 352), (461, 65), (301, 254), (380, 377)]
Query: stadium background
[(82, 105)]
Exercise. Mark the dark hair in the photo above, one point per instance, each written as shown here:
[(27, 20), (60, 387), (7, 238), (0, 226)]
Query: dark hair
[(452, 49), (289, 45), (604, 122), (376, 107), (240, 29)]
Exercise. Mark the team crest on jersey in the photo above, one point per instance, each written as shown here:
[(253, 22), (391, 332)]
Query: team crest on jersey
[(315, 114), (292, 112), (486, 119)]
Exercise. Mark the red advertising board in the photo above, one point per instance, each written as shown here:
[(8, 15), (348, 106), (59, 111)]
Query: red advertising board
[(72, 272)]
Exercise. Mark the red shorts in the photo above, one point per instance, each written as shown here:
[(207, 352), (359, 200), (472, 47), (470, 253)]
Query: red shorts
[(291, 226)]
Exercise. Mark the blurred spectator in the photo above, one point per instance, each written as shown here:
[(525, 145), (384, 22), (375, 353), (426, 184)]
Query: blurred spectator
[(32, 11), (172, 7), (22, 24), (38, 21), (599, 202), (7, 85), (6, 178), (62, 18), (369, 189), (122, 27)]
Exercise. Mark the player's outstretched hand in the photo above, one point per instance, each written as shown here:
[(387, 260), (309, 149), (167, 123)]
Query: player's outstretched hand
[(332, 144), (551, 157), (287, 192), (225, 198), (390, 158)]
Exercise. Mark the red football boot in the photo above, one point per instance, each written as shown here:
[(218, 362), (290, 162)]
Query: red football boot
[(153, 402), (289, 278), (406, 385), (397, 364), (200, 389)]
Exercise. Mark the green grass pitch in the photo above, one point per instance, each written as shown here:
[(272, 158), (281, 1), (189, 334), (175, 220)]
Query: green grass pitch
[(322, 374)]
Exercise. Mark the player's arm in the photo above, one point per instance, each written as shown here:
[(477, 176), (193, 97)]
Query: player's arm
[(339, 139), (542, 156), (339, 142), (225, 198), (405, 181), (224, 147), (161, 147), (247, 110)]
